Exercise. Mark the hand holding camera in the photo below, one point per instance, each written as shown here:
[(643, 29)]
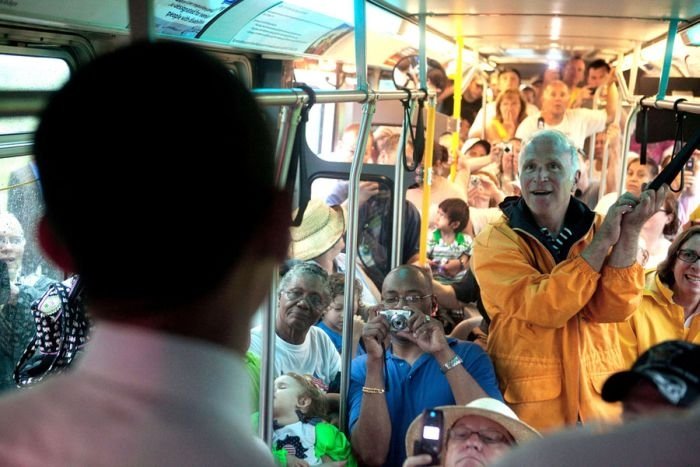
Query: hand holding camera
[(375, 333)]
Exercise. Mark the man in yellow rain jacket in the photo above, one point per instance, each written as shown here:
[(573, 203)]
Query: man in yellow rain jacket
[(555, 278)]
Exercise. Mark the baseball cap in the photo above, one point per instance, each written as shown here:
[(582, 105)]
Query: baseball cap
[(672, 366), (471, 142)]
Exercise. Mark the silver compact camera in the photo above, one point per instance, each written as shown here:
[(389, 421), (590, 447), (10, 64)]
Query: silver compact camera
[(506, 147), (398, 319)]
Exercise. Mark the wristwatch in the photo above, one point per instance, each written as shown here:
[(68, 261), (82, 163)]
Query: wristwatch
[(451, 363)]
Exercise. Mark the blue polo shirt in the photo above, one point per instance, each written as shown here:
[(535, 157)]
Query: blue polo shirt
[(413, 389)]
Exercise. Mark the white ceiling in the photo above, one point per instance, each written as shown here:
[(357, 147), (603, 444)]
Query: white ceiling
[(588, 27)]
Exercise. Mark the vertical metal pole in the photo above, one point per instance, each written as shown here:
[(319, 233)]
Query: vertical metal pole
[(668, 58), (626, 146), (361, 44), (604, 170), (353, 207), (289, 120), (635, 68), (351, 253), (427, 183), (283, 152), (267, 368), (141, 20), (591, 141), (457, 102), (399, 199), (423, 68)]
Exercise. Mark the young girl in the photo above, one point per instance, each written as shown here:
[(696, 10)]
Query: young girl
[(301, 436), (332, 319)]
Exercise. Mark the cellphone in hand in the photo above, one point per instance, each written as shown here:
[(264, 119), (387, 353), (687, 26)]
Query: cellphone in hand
[(430, 441), (690, 165)]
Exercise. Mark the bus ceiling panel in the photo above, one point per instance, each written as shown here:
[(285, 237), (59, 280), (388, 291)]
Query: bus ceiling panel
[(605, 8), (90, 15), (569, 34), (497, 25)]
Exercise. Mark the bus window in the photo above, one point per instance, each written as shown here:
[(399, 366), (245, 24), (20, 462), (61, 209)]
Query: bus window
[(29, 73)]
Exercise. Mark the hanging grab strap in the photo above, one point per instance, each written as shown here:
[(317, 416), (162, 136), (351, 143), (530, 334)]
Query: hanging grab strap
[(297, 159), (417, 137), (678, 141), (645, 132)]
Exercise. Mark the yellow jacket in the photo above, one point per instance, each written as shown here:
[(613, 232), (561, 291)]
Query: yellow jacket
[(550, 338), (658, 319)]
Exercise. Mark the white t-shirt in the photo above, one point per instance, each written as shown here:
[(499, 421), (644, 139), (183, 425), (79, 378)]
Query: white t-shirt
[(316, 356), (478, 125), (576, 125)]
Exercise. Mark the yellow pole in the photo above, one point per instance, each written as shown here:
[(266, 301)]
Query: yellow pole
[(457, 108), (427, 182)]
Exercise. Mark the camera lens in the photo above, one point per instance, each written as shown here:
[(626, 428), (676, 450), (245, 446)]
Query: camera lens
[(399, 322)]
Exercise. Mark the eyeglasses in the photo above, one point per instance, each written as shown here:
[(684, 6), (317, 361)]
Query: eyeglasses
[(459, 435), (687, 256), (13, 240), (408, 299), (313, 299)]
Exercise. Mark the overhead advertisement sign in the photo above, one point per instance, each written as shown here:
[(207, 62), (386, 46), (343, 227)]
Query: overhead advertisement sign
[(291, 29)]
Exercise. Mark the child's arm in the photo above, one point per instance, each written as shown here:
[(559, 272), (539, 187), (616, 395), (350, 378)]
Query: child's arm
[(332, 445)]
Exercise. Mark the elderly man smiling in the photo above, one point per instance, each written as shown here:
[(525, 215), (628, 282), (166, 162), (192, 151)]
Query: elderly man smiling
[(555, 279)]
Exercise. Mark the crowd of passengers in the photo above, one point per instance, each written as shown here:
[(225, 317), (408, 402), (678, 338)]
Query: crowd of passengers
[(533, 313), (535, 292)]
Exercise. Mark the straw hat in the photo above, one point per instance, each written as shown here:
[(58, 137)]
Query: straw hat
[(320, 229), (486, 407)]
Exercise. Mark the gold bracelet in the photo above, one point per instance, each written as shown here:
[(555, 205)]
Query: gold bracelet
[(368, 390)]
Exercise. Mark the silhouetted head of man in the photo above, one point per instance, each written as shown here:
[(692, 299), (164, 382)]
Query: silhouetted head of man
[(142, 157)]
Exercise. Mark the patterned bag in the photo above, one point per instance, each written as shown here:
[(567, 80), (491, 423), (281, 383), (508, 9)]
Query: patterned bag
[(62, 327)]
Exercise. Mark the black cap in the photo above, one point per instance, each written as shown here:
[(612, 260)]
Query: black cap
[(672, 366)]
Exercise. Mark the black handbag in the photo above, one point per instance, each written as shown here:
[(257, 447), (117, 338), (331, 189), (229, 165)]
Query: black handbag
[(62, 331)]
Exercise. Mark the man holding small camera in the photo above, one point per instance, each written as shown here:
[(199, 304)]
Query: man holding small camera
[(419, 368)]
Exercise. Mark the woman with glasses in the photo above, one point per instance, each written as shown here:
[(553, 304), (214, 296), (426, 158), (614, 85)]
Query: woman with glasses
[(671, 301), (479, 433), (301, 347)]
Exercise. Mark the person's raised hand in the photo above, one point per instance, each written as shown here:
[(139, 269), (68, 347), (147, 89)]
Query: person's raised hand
[(374, 333), (650, 202)]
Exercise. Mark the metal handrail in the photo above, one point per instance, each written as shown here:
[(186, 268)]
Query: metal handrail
[(31, 103), (668, 104), (289, 96), (351, 254)]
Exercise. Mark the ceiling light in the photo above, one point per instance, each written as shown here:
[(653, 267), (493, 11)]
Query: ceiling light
[(555, 28)]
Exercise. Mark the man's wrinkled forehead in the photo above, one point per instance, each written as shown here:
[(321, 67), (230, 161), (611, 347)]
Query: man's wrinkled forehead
[(545, 153)]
